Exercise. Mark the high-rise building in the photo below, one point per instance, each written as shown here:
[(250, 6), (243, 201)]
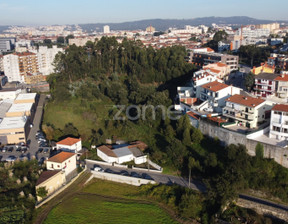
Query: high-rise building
[(106, 29), (7, 44)]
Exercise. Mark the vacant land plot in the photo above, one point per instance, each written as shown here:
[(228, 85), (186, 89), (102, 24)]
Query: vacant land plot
[(106, 202)]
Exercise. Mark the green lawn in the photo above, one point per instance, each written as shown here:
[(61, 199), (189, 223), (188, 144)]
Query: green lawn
[(107, 202)]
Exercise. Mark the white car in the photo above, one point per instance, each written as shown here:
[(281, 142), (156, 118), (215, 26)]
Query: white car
[(99, 169)]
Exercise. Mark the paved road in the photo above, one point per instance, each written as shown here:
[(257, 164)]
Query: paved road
[(158, 177), (34, 145), (196, 185)]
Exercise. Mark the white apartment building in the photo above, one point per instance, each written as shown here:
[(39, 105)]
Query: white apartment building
[(215, 94), (279, 122), (46, 58), (246, 111), (106, 29), (11, 68), (248, 32)]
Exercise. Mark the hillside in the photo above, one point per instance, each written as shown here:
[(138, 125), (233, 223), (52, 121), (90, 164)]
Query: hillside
[(164, 24)]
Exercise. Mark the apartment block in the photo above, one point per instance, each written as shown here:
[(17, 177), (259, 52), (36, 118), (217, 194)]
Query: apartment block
[(265, 84), (279, 122), (246, 111)]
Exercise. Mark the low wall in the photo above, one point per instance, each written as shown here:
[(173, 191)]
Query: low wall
[(118, 165), (121, 179), (263, 209), (227, 137), (99, 162), (143, 169)]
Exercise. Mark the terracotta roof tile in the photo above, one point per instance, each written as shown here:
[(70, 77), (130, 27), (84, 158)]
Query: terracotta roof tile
[(61, 157), (69, 141), (280, 107), (245, 100), (280, 78), (220, 64), (195, 116), (107, 151), (46, 175), (215, 86)]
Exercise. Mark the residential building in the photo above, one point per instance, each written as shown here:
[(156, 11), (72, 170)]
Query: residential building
[(220, 68), (106, 29), (264, 68), (215, 94), (250, 32), (71, 144), (150, 29), (1, 64), (122, 153), (246, 111), (7, 44), (282, 85), (51, 180), (45, 58), (28, 63), (271, 26), (265, 84), (279, 122), (81, 41), (11, 68), (200, 57), (34, 78), (14, 130), (65, 161)]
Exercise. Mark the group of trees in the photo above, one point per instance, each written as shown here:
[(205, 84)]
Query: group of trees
[(17, 191)]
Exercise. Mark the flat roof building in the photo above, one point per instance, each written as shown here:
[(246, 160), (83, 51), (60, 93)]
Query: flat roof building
[(21, 109), (14, 130), (26, 98)]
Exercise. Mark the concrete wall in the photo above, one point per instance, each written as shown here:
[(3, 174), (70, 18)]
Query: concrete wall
[(263, 209), (227, 137), (121, 179)]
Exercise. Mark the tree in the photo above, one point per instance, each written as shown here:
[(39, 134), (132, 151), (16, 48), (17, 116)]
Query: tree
[(60, 40), (249, 81), (70, 130), (49, 131), (197, 136), (259, 151), (186, 137), (69, 37), (42, 192), (47, 41)]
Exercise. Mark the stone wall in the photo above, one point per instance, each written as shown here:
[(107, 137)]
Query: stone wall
[(227, 137), (263, 209)]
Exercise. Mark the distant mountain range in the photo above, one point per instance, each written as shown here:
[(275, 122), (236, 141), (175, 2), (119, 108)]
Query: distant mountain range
[(164, 24)]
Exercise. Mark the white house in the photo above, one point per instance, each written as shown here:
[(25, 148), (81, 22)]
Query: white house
[(121, 154), (65, 161), (72, 144), (247, 111), (215, 94), (279, 122)]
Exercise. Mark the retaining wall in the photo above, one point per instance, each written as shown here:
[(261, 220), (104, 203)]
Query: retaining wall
[(121, 179), (227, 137)]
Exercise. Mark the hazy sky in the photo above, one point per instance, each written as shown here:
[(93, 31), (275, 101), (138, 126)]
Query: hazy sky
[(36, 12)]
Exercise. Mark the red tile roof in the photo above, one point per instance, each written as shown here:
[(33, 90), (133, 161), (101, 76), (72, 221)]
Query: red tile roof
[(280, 78), (69, 141), (107, 151), (215, 86), (245, 100), (220, 64), (61, 157), (46, 175), (280, 107)]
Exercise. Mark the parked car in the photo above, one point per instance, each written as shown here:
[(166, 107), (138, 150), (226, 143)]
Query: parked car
[(46, 150), (11, 158), (24, 149), (134, 174), (4, 149), (99, 169), (146, 176), (124, 173), (10, 149), (40, 150), (109, 171), (19, 149)]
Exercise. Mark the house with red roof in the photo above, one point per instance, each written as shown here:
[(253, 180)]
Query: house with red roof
[(71, 144), (279, 122), (65, 161), (246, 111), (215, 93), (219, 68), (282, 85)]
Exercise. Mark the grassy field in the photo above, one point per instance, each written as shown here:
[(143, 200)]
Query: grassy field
[(108, 202)]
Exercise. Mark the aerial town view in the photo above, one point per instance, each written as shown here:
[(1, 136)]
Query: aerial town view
[(143, 112)]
